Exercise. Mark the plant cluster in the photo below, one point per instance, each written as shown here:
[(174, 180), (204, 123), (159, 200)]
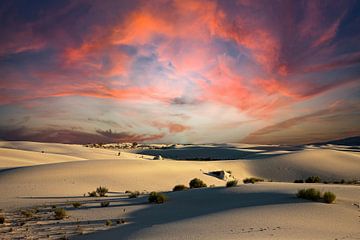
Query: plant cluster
[(156, 197), (252, 180)]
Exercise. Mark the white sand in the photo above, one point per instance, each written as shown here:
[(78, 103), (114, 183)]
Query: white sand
[(261, 211)]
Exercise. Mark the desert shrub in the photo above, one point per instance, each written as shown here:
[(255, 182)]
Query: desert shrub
[(134, 194), (180, 187), (156, 197), (329, 197), (102, 191), (232, 183), (309, 193), (108, 223), (2, 219), (92, 194), (76, 204), (299, 181), (313, 179), (28, 213), (252, 180), (197, 183), (60, 213), (120, 221), (105, 204)]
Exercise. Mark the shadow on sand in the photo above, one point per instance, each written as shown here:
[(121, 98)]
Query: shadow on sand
[(189, 204), (218, 152)]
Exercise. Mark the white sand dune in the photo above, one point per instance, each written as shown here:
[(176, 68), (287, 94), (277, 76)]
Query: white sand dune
[(270, 210), (21, 153), (260, 211)]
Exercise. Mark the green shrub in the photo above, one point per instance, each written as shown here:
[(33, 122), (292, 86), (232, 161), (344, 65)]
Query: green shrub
[(76, 204), (108, 223), (105, 204), (60, 213), (102, 191), (2, 219), (310, 194), (252, 180), (313, 179), (92, 194), (180, 187), (134, 194), (197, 183), (156, 197), (329, 197), (299, 181), (232, 183)]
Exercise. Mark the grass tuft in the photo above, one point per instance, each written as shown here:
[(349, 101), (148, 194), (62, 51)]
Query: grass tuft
[(313, 179), (252, 180), (329, 197), (105, 204), (232, 183), (180, 187), (156, 197), (76, 204), (92, 194), (197, 183), (102, 191), (60, 213), (134, 194)]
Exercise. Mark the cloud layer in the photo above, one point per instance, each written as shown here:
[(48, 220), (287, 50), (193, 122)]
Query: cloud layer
[(162, 70)]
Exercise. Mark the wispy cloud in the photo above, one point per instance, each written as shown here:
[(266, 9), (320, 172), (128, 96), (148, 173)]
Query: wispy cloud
[(257, 57)]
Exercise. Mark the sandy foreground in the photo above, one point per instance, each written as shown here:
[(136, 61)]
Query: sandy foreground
[(38, 176)]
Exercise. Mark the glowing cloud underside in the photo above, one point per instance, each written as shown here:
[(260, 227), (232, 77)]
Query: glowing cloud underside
[(179, 71)]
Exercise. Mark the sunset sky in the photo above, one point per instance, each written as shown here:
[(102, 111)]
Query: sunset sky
[(179, 71)]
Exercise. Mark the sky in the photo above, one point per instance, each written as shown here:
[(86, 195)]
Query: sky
[(268, 72)]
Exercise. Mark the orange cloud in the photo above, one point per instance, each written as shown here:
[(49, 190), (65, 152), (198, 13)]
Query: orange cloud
[(172, 127)]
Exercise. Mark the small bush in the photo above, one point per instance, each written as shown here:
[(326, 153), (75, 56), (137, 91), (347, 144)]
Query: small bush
[(299, 181), (60, 213), (28, 213), (134, 194), (252, 180), (310, 194), (232, 183), (92, 194), (108, 223), (156, 197), (197, 183), (313, 179), (120, 221), (180, 188), (2, 219), (329, 197), (105, 204), (76, 204), (102, 191)]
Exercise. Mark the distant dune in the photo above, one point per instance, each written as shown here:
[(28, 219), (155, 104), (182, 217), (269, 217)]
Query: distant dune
[(351, 141)]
